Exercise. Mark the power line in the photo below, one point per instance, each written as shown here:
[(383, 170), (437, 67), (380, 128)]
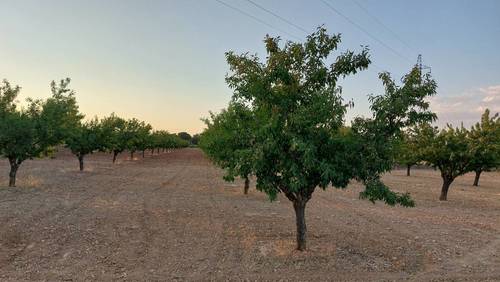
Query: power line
[(278, 16), (383, 25), (365, 31), (257, 19)]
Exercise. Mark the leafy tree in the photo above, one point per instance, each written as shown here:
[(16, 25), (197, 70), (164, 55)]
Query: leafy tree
[(60, 112), (195, 139), (135, 135), (113, 128), (172, 141), (155, 141), (485, 145), (407, 151), (162, 140), (33, 132), (85, 139), (143, 140), (228, 140), (184, 136), (19, 140), (300, 141), (447, 150)]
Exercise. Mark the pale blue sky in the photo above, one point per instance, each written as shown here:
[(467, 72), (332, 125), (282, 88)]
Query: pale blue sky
[(163, 61)]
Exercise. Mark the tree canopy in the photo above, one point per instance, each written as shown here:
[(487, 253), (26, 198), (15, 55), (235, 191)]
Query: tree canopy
[(300, 140), (228, 141), (33, 131), (485, 145), (448, 150)]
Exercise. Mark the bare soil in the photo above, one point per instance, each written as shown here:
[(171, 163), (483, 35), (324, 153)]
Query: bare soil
[(171, 217)]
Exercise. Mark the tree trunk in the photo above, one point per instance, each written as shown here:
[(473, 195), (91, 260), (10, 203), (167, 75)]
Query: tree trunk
[(143, 153), (152, 151), (158, 150), (13, 171), (132, 155), (80, 160), (476, 179), (247, 185), (300, 209), (114, 156), (408, 170), (444, 189)]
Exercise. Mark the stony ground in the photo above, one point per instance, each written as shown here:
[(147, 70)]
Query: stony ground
[(171, 217)]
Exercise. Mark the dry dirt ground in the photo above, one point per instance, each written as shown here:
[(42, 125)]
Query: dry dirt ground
[(170, 217)]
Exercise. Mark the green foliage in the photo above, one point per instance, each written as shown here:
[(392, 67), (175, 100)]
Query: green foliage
[(407, 150), (136, 135), (297, 139), (377, 138), (376, 190), (195, 139), (228, 140), (295, 99), (34, 131), (447, 150), (8, 95), (485, 143), (185, 136), (113, 129), (60, 112), (85, 138), (299, 111)]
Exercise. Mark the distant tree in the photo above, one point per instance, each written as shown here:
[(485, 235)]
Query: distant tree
[(195, 139), (135, 135), (300, 141), (228, 141), (144, 137), (185, 136), (33, 132), (485, 145), (172, 141), (85, 139), (407, 152), (155, 141), (448, 150), (113, 129)]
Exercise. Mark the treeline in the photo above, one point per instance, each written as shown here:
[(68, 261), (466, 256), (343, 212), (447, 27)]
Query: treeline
[(35, 130), (285, 123), (453, 151)]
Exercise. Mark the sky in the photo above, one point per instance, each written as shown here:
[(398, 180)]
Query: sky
[(163, 61)]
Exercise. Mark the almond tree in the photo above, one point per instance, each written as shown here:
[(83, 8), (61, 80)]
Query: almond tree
[(135, 135), (34, 131), (300, 139), (113, 128), (228, 142), (84, 139), (448, 150), (485, 145), (407, 151)]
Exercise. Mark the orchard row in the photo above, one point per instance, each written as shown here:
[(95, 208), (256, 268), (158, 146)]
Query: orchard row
[(36, 130), (453, 151)]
